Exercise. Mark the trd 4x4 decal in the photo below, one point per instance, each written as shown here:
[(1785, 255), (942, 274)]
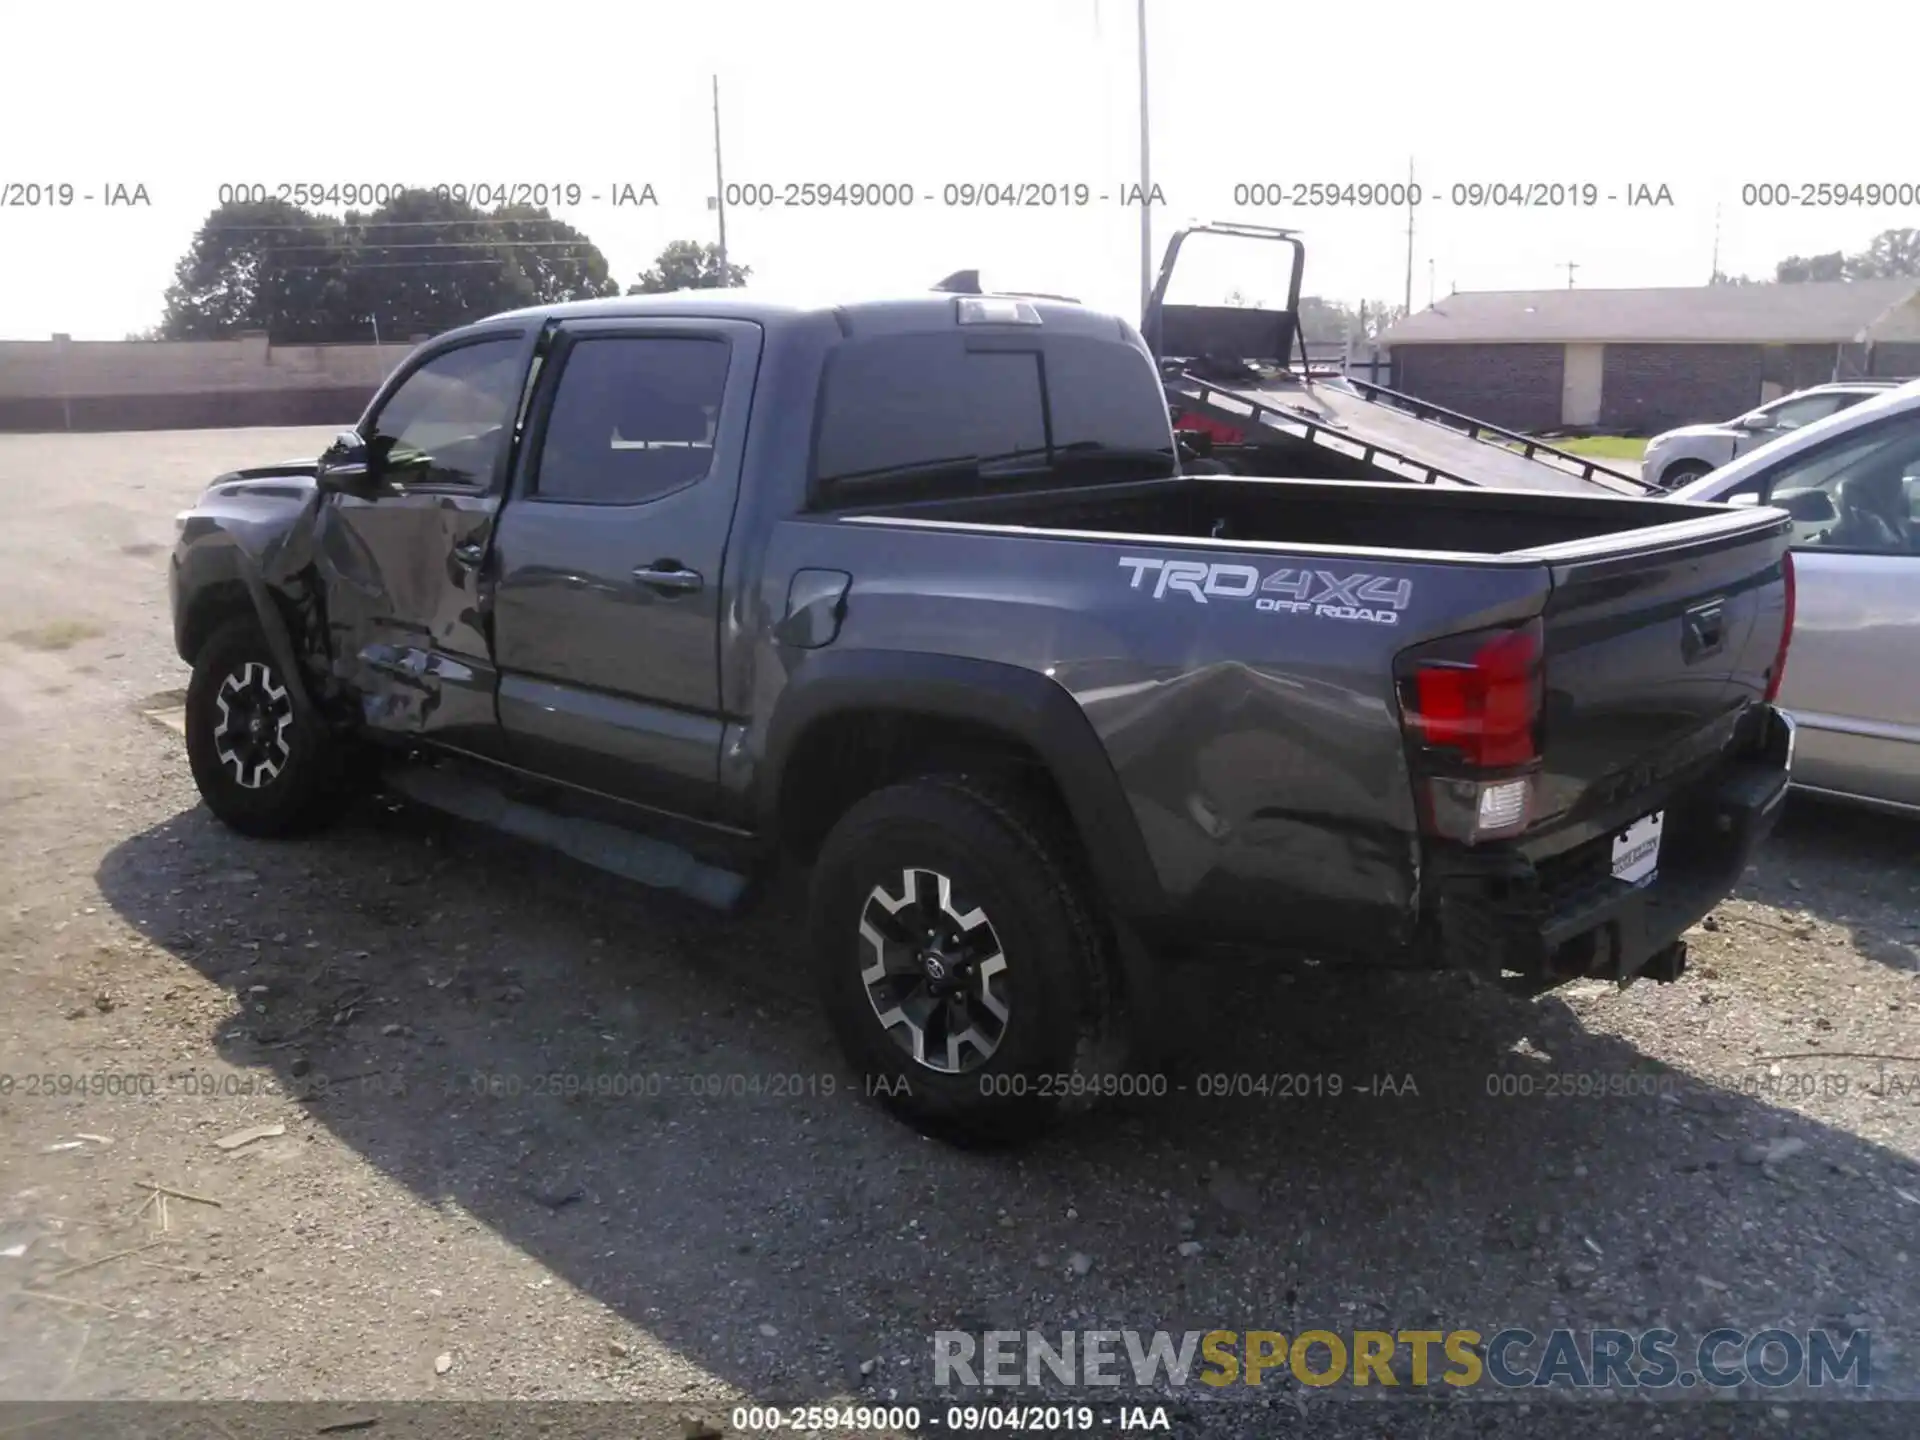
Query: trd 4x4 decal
[(1329, 594)]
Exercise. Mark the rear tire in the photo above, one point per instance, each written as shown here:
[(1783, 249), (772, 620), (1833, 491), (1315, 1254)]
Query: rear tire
[(1682, 472), (263, 768), (957, 957)]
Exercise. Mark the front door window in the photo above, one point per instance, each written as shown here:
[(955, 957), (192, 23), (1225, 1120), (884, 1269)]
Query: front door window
[(450, 420)]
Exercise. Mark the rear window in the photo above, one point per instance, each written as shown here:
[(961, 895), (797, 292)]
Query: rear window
[(898, 402), (901, 400)]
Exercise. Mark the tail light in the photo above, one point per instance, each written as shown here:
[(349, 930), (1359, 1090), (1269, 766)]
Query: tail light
[(1470, 706), (1779, 670)]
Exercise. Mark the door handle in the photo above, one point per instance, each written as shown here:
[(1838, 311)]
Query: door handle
[(470, 552), (669, 577)]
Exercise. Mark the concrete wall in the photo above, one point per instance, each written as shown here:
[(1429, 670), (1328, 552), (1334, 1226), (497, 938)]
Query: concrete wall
[(62, 384)]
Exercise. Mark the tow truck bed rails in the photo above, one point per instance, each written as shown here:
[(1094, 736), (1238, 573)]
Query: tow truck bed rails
[(1233, 365), (1582, 465)]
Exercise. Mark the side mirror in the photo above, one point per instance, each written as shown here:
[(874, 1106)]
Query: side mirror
[(1755, 421), (348, 467), (1748, 499)]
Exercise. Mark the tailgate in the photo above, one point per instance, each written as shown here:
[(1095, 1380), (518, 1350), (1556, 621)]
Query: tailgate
[(1655, 640)]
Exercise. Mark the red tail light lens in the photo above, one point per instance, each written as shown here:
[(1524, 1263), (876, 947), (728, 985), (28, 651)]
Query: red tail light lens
[(1471, 706), (1477, 696), (1779, 670)]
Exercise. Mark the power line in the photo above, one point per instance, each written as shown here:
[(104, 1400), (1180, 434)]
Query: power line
[(429, 245), (320, 224), (351, 266)]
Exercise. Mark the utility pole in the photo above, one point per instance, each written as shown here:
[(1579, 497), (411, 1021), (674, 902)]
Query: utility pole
[(1569, 267), (1714, 277), (719, 183), (1430, 282), (1407, 300), (1146, 178)]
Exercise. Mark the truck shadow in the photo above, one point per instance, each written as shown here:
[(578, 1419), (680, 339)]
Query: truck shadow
[(640, 1097)]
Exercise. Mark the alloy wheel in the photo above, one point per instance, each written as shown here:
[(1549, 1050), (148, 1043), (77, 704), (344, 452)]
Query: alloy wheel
[(250, 737), (934, 973)]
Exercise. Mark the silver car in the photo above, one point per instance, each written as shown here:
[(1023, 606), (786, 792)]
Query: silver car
[(1852, 484), (1679, 457)]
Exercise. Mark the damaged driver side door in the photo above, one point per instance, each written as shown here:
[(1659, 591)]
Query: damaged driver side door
[(404, 566)]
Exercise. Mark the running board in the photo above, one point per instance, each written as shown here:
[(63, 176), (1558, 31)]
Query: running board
[(618, 851)]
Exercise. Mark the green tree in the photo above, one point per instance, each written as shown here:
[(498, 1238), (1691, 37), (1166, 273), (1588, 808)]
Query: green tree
[(554, 261), (689, 265), (1325, 321), (1377, 315), (1890, 254), (423, 263), (268, 266), (1798, 269)]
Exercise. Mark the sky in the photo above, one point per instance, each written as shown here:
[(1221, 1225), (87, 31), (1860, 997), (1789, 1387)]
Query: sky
[(1699, 99)]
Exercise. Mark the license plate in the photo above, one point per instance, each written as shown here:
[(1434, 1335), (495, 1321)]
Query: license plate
[(1636, 849)]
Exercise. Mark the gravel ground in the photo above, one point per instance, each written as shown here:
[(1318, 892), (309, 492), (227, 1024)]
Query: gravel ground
[(721, 1216)]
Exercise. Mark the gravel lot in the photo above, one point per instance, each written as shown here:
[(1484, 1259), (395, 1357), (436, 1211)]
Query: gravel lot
[(431, 1219)]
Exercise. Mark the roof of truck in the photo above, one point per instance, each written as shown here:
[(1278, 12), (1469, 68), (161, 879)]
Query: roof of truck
[(925, 310)]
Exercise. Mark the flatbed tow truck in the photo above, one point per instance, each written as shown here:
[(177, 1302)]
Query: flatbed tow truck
[(1239, 402)]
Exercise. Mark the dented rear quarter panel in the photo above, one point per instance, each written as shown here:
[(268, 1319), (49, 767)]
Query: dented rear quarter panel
[(1256, 735)]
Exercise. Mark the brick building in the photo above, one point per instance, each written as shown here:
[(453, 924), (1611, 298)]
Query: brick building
[(1641, 361)]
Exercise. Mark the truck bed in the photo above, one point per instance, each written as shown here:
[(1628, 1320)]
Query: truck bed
[(1359, 515), (1288, 602)]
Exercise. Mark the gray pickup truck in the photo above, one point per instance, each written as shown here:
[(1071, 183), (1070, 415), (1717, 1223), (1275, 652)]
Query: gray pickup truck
[(914, 593)]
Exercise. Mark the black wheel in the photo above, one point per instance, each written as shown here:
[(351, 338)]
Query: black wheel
[(957, 957), (262, 768), (1682, 472)]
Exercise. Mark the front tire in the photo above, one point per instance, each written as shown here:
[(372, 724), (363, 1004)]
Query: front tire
[(958, 958), (264, 768)]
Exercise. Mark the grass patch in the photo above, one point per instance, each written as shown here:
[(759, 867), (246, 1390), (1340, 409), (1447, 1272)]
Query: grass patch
[(1604, 447), (56, 634)]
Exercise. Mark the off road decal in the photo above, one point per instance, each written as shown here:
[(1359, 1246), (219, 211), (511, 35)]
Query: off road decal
[(1324, 594)]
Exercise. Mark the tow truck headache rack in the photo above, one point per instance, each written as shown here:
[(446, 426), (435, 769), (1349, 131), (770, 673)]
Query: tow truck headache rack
[(1229, 371)]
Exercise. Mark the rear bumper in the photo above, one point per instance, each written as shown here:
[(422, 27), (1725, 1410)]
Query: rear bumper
[(1564, 917)]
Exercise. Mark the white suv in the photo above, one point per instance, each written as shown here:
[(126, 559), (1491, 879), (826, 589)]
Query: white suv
[(1681, 456)]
